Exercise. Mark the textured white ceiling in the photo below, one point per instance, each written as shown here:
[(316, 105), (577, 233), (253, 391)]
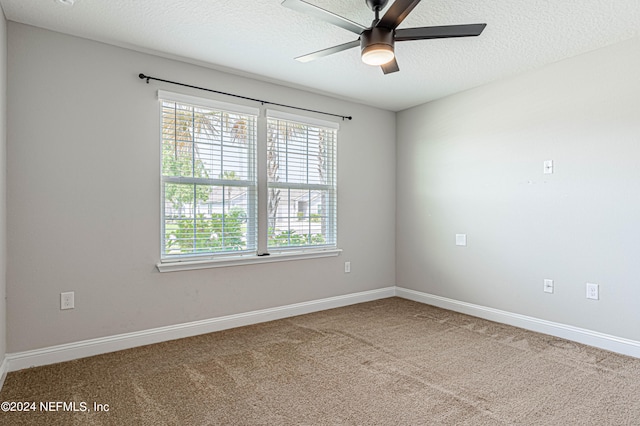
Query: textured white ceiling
[(262, 38)]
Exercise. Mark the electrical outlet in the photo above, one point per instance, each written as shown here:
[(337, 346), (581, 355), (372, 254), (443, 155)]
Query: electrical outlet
[(347, 267), (593, 291), (67, 300), (548, 286)]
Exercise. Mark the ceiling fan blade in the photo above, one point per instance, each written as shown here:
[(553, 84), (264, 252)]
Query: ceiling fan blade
[(328, 51), (396, 13), (325, 15), (446, 31), (390, 67)]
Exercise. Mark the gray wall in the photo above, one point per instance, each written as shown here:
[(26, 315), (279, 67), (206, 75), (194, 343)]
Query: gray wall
[(3, 184), (83, 198), (473, 163)]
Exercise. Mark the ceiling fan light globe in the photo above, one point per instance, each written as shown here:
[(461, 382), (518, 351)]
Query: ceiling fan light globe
[(377, 54)]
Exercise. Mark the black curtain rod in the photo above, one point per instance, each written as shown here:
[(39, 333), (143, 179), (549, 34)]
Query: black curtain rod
[(143, 77)]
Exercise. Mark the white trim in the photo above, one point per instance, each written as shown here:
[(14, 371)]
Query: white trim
[(281, 115), (223, 261), (85, 348), (207, 102), (576, 334), (4, 369)]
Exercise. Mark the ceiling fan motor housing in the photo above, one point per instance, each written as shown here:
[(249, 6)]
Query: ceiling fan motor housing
[(373, 38)]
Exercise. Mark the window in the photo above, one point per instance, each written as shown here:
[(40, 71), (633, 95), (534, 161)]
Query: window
[(221, 200), (301, 174), (209, 184)]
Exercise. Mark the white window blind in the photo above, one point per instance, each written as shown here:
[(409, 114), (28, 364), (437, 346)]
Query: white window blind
[(301, 182), (209, 182)]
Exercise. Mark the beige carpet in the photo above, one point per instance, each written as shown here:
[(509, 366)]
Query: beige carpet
[(388, 362)]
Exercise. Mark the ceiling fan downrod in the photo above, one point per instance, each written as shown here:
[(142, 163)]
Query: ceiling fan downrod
[(376, 6)]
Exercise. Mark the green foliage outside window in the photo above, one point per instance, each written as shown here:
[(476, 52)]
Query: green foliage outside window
[(179, 162), (292, 238), (219, 232)]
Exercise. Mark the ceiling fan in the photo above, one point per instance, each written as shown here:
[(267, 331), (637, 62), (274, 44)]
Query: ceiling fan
[(377, 41)]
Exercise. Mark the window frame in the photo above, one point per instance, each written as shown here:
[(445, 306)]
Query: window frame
[(260, 252)]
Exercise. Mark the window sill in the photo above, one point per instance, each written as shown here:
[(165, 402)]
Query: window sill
[(187, 265)]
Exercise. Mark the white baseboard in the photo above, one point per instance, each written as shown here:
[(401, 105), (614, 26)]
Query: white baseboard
[(85, 348), (581, 335)]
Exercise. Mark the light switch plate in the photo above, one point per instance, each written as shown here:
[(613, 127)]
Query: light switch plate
[(461, 239), (548, 167)]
